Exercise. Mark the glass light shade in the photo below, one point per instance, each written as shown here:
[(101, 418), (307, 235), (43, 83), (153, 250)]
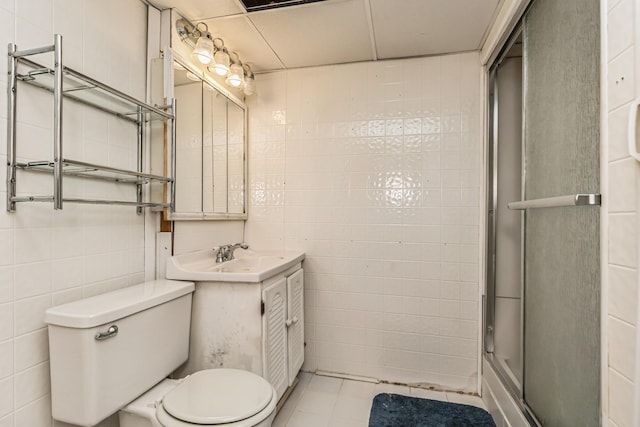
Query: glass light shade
[(203, 51), (193, 77), (221, 62), (236, 75), (249, 85)]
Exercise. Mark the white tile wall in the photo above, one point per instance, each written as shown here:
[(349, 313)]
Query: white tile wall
[(620, 395), (373, 169), (622, 346), (49, 257), (623, 176), (622, 293)]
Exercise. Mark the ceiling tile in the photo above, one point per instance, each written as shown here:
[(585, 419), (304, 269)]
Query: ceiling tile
[(339, 31), (425, 27), (200, 9), (241, 36), (317, 33)]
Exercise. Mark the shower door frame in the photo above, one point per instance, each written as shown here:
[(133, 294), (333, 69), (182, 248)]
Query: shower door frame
[(489, 303), (517, 393)]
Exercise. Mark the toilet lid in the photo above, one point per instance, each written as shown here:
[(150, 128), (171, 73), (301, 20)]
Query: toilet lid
[(218, 396)]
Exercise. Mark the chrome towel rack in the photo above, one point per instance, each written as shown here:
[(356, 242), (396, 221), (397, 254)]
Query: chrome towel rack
[(67, 84), (580, 199)]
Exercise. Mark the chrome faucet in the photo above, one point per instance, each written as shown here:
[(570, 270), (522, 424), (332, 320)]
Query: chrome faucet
[(225, 252)]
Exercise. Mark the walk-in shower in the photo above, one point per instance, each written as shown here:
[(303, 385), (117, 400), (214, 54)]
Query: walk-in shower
[(542, 309)]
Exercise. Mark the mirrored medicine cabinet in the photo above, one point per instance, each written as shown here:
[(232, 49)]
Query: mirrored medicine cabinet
[(209, 157)]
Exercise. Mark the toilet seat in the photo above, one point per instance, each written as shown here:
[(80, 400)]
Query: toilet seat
[(218, 397)]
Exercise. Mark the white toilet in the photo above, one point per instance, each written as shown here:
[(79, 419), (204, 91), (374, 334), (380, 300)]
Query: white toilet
[(112, 352)]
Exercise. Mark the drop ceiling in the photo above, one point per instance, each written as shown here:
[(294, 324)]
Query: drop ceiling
[(341, 31)]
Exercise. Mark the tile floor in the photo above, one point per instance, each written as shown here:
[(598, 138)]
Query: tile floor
[(319, 401)]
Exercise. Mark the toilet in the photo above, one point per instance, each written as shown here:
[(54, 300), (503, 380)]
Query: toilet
[(113, 352)]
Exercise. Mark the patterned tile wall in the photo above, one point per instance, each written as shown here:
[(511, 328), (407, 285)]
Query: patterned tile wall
[(374, 170)]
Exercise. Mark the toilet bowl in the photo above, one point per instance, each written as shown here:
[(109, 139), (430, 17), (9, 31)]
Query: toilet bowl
[(213, 397), (112, 353)]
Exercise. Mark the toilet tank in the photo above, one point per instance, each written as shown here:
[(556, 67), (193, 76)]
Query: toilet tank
[(94, 373)]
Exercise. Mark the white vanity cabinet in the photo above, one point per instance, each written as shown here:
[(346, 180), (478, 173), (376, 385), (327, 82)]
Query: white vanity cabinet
[(283, 329), (254, 326)]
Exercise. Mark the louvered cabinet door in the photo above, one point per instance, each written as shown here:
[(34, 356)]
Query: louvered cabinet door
[(274, 332), (295, 323)]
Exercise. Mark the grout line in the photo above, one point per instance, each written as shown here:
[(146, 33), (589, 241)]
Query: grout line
[(372, 33), (346, 376), (620, 374)]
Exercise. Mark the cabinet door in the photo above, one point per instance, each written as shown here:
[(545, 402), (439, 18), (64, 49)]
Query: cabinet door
[(274, 333), (295, 323)]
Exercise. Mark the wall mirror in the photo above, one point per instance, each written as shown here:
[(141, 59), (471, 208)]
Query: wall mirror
[(209, 159)]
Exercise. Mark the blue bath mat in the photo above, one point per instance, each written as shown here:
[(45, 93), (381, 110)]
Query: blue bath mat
[(394, 410)]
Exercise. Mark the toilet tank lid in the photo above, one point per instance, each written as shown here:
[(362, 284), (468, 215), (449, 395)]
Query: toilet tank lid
[(111, 306)]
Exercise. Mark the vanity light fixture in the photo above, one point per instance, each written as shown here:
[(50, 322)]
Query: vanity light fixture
[(236, 72), (203, 51), (249, 80), (214, 54), (221, 60), (197, 38)]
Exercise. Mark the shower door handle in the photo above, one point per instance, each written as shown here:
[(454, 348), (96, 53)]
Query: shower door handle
[(579, 199)]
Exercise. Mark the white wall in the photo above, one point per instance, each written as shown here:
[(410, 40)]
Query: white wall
[(621, 179), (47, 257), (374, 170), (191, 236)]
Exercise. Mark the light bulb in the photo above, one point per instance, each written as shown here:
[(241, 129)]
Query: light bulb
[(203, 51), (221, 62), (236, 73)]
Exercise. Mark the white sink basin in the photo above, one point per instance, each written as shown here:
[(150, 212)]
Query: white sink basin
[(248, 266)]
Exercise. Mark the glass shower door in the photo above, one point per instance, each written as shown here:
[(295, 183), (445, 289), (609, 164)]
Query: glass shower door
[(503, 343), (562, 262)]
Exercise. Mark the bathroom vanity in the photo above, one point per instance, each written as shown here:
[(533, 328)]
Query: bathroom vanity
[(247, 313)]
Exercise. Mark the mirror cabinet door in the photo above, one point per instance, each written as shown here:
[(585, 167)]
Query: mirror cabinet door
[(208, 135), (210, 150), (236, 159), (188, 95), (220, 154)]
